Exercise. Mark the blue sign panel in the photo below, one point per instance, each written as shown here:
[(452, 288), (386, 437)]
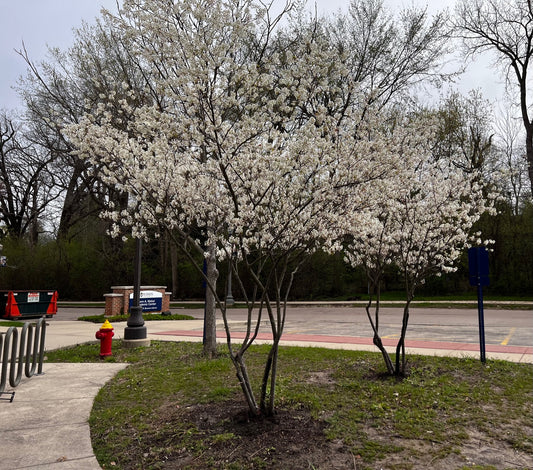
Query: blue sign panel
[(478, 263), (150, 301)]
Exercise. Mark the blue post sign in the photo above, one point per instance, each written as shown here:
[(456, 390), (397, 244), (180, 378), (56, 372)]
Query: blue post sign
[(478, 262)]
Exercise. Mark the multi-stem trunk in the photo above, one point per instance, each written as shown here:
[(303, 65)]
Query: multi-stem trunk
[(259, 302), (237, 355), (401, 361), (374, 323), (268, 386), (245, 383), (268, 393)]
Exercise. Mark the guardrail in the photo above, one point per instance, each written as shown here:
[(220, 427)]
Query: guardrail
[(24, 355)]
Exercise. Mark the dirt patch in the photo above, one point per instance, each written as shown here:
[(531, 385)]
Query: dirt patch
[(321, 378), (291, 439)]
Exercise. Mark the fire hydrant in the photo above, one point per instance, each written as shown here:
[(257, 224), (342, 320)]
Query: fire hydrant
[(105, 335)]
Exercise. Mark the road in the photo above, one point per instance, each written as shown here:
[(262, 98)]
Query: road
[(502, 327)]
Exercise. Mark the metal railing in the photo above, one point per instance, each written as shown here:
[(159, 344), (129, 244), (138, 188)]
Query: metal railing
[(24, 355)]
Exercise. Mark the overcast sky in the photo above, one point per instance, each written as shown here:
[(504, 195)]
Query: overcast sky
[(42, 23)]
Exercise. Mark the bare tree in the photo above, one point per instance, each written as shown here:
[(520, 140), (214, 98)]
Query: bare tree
[(504, 27), (388, 54), (60, 91), (27, 183), (512, 160), (465, 134)]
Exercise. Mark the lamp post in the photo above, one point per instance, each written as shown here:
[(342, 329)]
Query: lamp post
[(229, 296), (135, 332)]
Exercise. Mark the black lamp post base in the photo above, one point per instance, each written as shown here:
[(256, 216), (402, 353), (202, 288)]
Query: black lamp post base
[(135, 336), (135, 332)]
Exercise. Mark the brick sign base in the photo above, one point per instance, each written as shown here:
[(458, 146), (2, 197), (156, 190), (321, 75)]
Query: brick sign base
[(117, 302)]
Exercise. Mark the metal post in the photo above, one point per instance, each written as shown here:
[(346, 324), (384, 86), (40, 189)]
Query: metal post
[(135, 332), (137, 276), (229, 295), (478, 261), (481, 322)]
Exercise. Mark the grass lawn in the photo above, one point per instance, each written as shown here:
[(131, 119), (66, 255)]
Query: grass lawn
[(10, 323), (172, 408)]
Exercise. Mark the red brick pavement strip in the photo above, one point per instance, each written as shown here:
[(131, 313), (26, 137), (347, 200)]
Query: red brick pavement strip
[(495, 348)]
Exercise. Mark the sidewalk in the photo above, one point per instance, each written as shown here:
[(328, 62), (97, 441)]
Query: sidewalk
[(46, 426)]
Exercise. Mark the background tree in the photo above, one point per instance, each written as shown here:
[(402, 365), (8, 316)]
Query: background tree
[(504, 27), (465, 136), (60, 91), (513, 175), (388, 55), (27, 181)]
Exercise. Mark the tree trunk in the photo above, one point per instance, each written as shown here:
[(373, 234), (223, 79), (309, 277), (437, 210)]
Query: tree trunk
[(268, 394), (34, 220), (529, 154), (400, 348), (246, 385), (210, 330), (374, 323)]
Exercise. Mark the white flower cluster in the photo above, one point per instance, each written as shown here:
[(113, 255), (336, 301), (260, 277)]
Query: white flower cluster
[(424, 225), (259, 149)]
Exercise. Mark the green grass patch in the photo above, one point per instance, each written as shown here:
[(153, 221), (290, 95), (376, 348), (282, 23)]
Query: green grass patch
[(9, 323), (173, 405), (146, 317), (470, 296)]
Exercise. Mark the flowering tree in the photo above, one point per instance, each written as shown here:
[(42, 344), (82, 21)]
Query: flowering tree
[(265, 207), (240, 160), (421, 228)]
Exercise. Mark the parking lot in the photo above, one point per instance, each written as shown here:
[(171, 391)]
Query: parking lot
[(502, 327)]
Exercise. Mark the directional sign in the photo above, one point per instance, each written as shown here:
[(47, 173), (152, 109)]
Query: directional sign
[(478, 263)]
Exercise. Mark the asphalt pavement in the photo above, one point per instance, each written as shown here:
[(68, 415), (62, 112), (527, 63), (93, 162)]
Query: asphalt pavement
[(46, 424)]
